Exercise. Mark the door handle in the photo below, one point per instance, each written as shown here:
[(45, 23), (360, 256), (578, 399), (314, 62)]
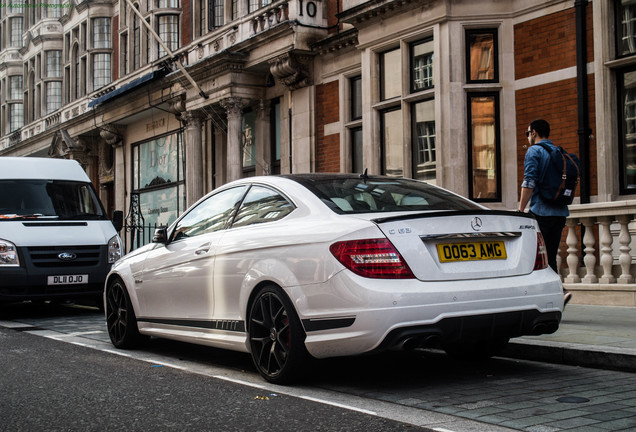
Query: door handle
[(203, 249)]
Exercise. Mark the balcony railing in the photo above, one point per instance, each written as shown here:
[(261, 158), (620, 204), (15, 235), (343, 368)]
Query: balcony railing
[(599, 259)]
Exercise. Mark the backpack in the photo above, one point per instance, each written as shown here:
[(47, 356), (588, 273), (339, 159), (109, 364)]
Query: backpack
[(559, 182)]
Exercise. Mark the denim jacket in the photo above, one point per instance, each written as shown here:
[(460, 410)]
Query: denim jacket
[(534, 166)]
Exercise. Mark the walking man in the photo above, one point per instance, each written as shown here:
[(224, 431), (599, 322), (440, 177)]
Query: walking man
[(551, 217)]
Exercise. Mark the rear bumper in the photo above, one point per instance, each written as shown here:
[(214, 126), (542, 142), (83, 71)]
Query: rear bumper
[(374, 314), (455, 330)]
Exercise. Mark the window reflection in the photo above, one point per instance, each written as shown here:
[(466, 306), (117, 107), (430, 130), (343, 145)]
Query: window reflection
[(483, 147), (424, 157), (392, 137), (391, 80)]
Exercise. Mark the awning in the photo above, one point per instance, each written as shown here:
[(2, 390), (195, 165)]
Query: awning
[(127, 87)]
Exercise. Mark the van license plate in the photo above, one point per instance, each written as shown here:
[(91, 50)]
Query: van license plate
[(473, 251), (68, 279)]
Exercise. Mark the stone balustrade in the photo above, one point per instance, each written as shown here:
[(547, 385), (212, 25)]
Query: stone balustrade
[(598, 266)]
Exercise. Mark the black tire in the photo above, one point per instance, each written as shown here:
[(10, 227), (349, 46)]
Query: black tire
[(120, 316), (477, 349), (276, 337)]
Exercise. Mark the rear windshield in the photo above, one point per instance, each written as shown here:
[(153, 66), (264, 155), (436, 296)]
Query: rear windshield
[(376, 195), (46, 199)]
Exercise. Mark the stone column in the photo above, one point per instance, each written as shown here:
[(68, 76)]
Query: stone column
[(263, 139), (194, 157), (234, 108)]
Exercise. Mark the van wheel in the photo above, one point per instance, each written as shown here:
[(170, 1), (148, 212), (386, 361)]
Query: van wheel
[(120, 316), (276, 337)]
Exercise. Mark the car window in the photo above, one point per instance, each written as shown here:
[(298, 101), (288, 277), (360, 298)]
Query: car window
[(377, 195), (261, 205), (210, 215)]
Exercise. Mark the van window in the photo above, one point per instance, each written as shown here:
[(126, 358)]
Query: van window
[(48, 199)]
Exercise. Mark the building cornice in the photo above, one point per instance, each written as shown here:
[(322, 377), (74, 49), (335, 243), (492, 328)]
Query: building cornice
[(337, 42), (370, 11)]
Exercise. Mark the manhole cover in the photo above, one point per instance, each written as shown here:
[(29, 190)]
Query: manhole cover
[(572, 399)]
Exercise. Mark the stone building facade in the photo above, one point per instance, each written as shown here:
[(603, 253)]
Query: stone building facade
[(436, 90)]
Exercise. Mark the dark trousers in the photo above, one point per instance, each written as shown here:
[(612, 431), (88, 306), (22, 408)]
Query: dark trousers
[(551, 228)]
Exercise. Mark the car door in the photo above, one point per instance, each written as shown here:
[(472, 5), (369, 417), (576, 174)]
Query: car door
[(255, 236), (177, 281)]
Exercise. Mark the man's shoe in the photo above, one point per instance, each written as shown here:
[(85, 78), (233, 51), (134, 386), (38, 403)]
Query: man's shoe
[(566, 298)]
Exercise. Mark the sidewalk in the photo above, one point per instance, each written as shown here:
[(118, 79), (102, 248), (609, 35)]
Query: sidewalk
[(591, 336)]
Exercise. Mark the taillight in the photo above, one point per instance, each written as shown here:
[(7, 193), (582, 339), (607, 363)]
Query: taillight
[(541, 260), (372, 258)]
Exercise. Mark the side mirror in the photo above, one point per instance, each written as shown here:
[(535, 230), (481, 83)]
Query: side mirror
[(118, 220), (160, 236)]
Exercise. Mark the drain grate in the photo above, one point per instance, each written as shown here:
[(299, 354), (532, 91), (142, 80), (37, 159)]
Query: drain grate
[(572, 399)]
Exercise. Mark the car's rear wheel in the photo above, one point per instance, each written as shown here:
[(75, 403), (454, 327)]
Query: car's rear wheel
[(120, 316), (276, 336)]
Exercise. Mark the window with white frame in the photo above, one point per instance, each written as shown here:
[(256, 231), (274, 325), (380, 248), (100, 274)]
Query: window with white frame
[(101, 70), (421, 65), (15, 87), (16, 116), (101, 33), (53, 64), (52, 9), (407, 112), (164, 4), (257, 4), (216, 13), (169, 33), (16, 32), (625, 12), (391, 74), (53, 96), (136, 48), (424, 138)]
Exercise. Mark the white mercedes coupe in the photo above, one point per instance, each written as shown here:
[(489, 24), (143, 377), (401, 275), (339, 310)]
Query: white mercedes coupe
[(292, 267)]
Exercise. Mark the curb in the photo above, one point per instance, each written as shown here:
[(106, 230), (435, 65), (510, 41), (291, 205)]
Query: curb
[(598, 357)]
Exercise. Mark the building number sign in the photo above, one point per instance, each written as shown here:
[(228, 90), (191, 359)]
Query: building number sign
[(310, 8)]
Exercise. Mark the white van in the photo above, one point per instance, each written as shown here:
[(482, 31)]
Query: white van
[(56, 241)]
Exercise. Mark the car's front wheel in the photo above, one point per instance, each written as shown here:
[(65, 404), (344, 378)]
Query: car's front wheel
[(120, 316), (276, 336)]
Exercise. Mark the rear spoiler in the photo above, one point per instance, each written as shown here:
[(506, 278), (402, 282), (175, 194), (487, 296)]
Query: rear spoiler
[(446, 213)]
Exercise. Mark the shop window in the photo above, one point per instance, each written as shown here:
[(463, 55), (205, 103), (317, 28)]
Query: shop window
[(158, 178)]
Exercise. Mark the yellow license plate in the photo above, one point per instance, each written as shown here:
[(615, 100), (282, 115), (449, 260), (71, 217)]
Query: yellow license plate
[(472, 251)]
